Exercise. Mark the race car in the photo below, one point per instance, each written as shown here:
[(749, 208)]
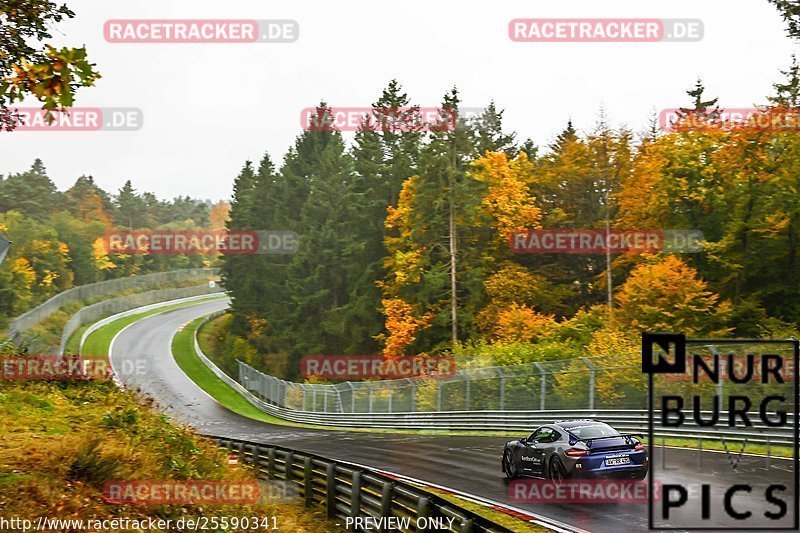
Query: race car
[(576, 448)]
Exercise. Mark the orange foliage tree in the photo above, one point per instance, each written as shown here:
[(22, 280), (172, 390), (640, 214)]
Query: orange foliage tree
[(402, 324), (668, 295)]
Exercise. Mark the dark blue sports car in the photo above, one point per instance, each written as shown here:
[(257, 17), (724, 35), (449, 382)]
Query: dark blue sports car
[(576, 448)]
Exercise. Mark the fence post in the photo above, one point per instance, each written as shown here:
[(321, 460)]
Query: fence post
[(591, 381), (391, 393), (720, 387), (330, 490), (352, 397), (287, 466), (355, 494), (325, 401), (271, 463), (387, 493), (413, 406), (423, 511), (308, 482), (543, 387), (438, 395), (303, 388), (502, 388), (314, 399), (369, 386), (467, 393)]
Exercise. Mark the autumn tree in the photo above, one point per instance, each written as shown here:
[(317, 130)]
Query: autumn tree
[(29, 66), (668, 295)]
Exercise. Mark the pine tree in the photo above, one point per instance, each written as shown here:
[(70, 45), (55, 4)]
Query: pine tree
[(384, 158), (788, 93), (530, 149), (706, 108), (568, 135), (130, 207), (235, 274), (489, 135), (790, 11), (318, 275), (31, 192)]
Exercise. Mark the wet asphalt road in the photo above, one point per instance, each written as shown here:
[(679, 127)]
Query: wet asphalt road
[(465, 463)]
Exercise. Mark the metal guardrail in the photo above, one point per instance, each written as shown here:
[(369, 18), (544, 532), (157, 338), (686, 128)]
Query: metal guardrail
[(347, 490), (26, 321), (92, 313), (631, 420)]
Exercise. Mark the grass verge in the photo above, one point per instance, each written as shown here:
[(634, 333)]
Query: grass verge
[(61, 442)]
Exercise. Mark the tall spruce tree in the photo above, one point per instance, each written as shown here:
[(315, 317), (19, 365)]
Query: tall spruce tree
[(788, 93), (235, 274), (701, 106), (31, 192), (489, 135), (385, 154), (790, 11)]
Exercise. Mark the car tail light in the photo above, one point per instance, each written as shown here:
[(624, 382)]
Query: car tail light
[(639, 447), (576, 452)]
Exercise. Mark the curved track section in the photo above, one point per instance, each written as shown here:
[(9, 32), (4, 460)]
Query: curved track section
[(467, 464)]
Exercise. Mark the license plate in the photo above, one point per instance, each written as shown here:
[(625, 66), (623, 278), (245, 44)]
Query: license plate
[(616, 461)]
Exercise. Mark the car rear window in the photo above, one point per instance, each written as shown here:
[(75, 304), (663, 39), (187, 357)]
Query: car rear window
[(593, 431)]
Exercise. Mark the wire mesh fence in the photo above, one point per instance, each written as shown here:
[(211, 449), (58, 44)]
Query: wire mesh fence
[(82, 293), (582, 383), (93, 313)]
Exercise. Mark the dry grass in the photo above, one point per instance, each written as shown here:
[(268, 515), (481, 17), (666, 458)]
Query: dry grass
[(61, 442)]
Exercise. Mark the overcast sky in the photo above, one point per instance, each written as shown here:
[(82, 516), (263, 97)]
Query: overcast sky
[(209, 107)]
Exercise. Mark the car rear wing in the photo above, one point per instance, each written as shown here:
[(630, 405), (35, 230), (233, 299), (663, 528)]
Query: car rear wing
[(589, 441)]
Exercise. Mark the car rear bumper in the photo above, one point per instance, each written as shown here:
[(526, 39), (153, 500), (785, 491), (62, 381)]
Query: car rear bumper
[(616, 472)]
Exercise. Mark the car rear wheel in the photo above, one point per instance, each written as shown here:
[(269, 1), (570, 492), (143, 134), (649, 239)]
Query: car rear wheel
[(556, 472), (509, 468)]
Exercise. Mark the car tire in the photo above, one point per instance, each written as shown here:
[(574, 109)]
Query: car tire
[(509, 467), (556, 471), (641, 474)]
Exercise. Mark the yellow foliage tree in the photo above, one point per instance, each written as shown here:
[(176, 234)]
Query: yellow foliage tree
[(520, 323), (508, 201), (668, 295)]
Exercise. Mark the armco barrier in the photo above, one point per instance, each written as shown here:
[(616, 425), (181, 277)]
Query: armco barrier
[(81, 293), (348, 490), (93, 313), (523, 421)]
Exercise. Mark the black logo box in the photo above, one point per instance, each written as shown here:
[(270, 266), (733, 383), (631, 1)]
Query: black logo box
[(678, 366)]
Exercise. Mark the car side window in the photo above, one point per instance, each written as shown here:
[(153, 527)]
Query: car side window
[(542, 435), (554, 436)]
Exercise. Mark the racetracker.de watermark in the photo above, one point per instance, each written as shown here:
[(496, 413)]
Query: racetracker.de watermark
[(754, 118), (78, 119), (196, 31), (181, 492), (611, 30), (201, 242), (579, 491), (55, 367), (399, 119), (358, 367), (570, 241)]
